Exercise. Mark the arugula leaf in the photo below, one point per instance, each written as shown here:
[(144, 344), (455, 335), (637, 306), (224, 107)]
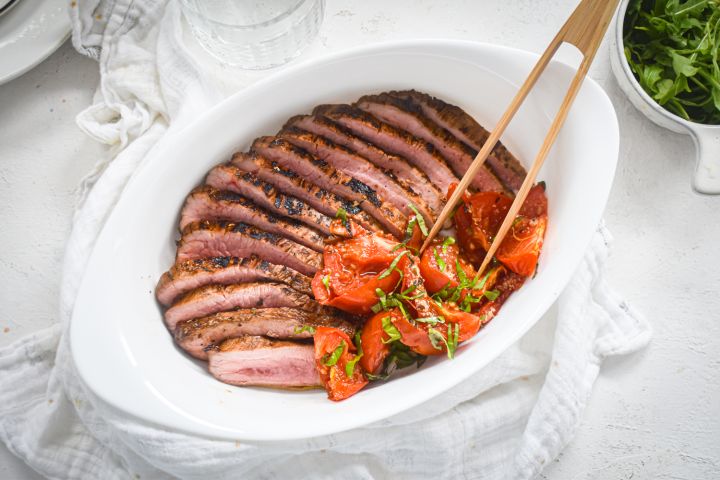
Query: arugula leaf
[(333, 358), (673, 49)]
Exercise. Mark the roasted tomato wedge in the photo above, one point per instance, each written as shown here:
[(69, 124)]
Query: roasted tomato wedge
[(416, 336), (373, 341), (353, 269), (334, 360), (536, 203), (438, 265), (521, 247)]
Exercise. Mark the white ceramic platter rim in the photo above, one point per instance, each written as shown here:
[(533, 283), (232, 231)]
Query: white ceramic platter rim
[(29, 33), (103, 338)]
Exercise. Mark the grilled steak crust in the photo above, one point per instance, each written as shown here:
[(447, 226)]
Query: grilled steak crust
[(259, 361), (208, 239), (220, 298), (289, 181), (404, 115), (407, 175), (458, 122), (352, 164), (208, 203), (198, 335), (320, 173), (230, 178), (191, 274), (390, 139)]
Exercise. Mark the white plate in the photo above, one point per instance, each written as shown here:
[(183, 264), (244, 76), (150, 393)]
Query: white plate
[(29, 32), (127, 358)]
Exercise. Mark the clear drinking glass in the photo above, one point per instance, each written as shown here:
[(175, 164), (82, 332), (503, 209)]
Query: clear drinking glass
[(254, 34)]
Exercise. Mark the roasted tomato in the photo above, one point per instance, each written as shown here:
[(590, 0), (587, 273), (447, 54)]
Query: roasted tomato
[(521, 247), (334, 360), (536, 203), (373, 341), (438, 266), (507, 283), (352, 272)]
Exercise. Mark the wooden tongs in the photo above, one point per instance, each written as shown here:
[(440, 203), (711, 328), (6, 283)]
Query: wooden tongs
[(585, 29)]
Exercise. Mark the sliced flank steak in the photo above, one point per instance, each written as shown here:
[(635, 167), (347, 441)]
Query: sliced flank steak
[(404, 115), (417, 151), (294, 184), (322, 174), (198, 335), (407, 175), (209, 239), (208, 203), (211, 299), (231, 178), (192, 274), (259, 361), (458, 122), (354, 165)]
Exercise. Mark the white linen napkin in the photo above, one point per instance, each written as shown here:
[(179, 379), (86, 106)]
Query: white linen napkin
[(507, 421)]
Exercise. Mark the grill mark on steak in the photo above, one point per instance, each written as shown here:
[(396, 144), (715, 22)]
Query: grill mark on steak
[(406, 174), (211, 299), (208, 203), (289, 181), (231, 178), (404, 115), (319, 172), (228, 239), (399, 142), (191, 274), (352, 164), (259, 361), (199, 335), (458, 122)]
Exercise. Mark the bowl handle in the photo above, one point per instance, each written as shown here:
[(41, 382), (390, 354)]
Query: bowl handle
[(707, 166)]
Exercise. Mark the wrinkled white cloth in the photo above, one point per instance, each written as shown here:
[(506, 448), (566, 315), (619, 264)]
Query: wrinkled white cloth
[(507, 421)]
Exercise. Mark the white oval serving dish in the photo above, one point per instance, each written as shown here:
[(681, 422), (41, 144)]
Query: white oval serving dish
[(122, 350)]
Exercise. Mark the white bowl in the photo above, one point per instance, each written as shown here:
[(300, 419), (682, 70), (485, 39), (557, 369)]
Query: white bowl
[(706, 137), (120, 345)]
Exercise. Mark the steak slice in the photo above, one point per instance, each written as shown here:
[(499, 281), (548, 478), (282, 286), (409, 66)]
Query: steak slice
[(407, 175), (404, 115), (208, 203), (192, 274), (418, 152), (350, 163), (229, 177), (199, 335), (458, 122), (259, 361), (220, 298), (291, 182), (209, 239), (320, 173)]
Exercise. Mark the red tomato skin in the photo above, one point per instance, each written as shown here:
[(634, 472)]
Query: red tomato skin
[(436, 278), (521, 247), (415, 337), (371, 340), (338, 385)]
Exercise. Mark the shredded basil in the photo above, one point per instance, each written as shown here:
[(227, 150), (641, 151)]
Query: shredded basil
[(436, 338), (304, 328), (393, 265), (326, 282), (491, 294), (350, 366), (438, 259), (333, 358), (452, 341), (392, 332), (431, 320), (419, 219), (448, 241)]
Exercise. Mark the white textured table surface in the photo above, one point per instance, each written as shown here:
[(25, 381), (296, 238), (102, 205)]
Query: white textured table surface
[(654, 415)]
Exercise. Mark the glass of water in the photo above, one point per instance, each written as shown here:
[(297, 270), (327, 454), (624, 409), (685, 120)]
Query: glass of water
[(254, 34)]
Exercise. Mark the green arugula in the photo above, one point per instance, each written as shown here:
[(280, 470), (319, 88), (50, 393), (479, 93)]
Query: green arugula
[(673, 48)]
